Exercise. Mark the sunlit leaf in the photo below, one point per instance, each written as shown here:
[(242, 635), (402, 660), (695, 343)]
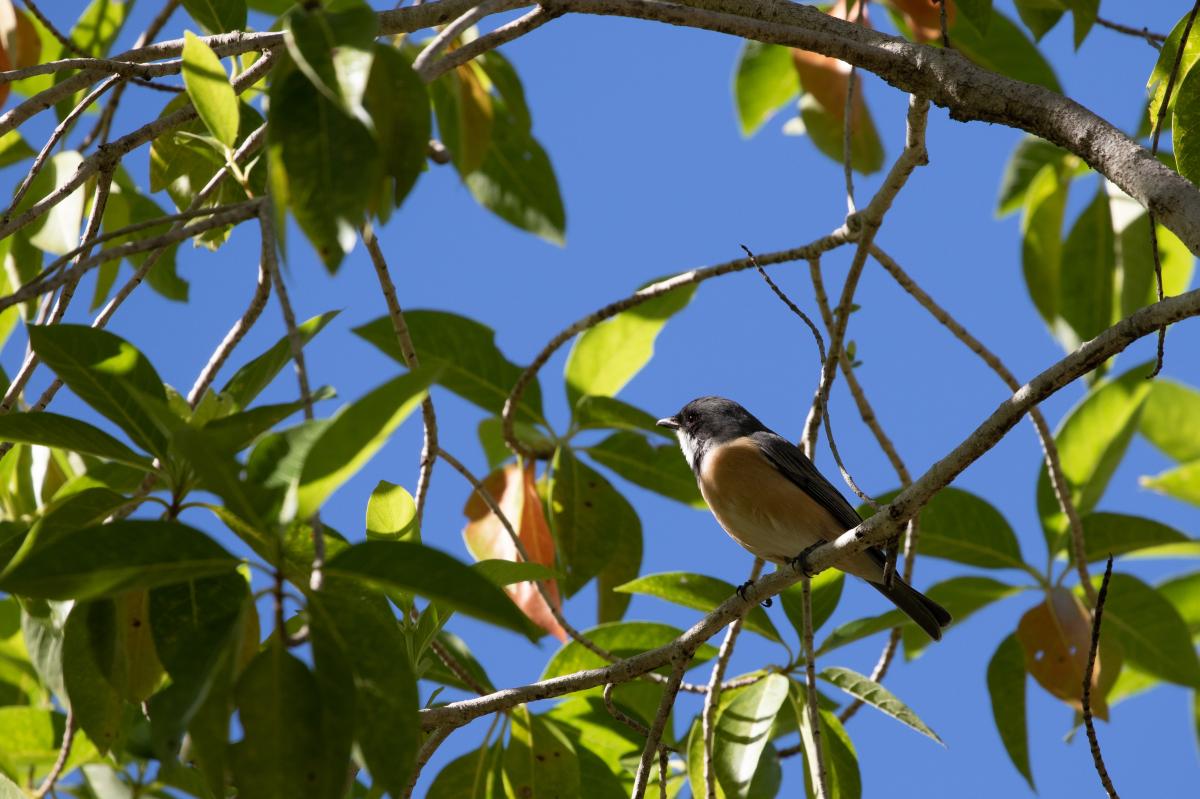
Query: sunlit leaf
[(1167, 56), (250, 380), (742, 731), (210, 90), (1170, 419), (874, 694), (55, 430), (1024, 165), (57, 231), (392, 514), (1182, 482), (700, 592), (1045, 205), (763, 80), (606, 357)]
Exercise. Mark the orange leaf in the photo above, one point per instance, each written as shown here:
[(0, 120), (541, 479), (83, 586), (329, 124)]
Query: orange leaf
[(1056, 636), (515, 491), (924, 17), (825, 78), (27, 45)]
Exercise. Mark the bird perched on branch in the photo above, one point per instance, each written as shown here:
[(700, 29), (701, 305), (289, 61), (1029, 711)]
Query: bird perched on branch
[(771, 499)]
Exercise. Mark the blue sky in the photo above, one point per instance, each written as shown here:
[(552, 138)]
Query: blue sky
[(639, 123)]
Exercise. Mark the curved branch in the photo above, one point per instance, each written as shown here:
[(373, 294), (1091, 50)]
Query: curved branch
[(875, 530)]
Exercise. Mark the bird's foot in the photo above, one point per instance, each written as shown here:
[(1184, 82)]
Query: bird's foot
[(741, 592), (800, 562)]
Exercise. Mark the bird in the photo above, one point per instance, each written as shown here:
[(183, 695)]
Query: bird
[(770, 498)]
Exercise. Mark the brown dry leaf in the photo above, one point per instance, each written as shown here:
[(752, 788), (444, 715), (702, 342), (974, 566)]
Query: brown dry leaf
[(1056, 636), (825, 78), (924, 17), (26, 43), (515, 491)]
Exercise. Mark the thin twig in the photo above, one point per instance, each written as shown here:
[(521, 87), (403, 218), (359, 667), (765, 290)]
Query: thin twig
[(429, 442), (1154, 137), (1086, 702), (847, 119), (670, 691), (628, 720), (431, 744), (1155, 40), (811, 250), (1058, 480), (237, 332), (944, 24), (456, 668), (490, 41), (60, 763), (816, 764), (708, 716), (452, 31)]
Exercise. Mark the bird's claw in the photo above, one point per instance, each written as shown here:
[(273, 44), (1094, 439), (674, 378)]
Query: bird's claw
[(800, 562), (741, 592)]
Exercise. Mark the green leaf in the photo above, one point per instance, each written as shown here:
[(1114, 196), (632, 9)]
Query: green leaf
[(742, 731), (209, 88), (398, 104), (392, 514), (385, 706), (1150, 630), (218, 16), (1040, 17), (1041, 240), (1115, 534), (55, 430), (874, 694), (470, 363), (198, 628), (1182, 482), (14, 149), (1006, 686), (959, 526), (583, 509), (1184, 593), (977, 12), (1170, 419), (126, 206), (1167, 56), (507, 572), (42, 630), (115, 557), (827, 131), (104, 371), (1092, 440), (625, 563), (333, 49), (97, 707), (280, 713), (326, 161), (763, 80), (605, 358), (1024, 165), (1004, 49), (1185, 126), (661, 469), (233, 433), (354, 436), (250, 380), (516, 180), (99, 25), (540, 761), (31, 738), (408, 566), (623, 639), (1135, 263), (841, 761), (491, 438), (826, 592), (458, 648), (464, 111), (766, 781), (700, 592), (1088, 266), (468, 777), (609, 413), (56, 231)]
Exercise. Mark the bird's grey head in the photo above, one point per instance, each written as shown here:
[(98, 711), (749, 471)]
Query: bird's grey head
[(707, 422)]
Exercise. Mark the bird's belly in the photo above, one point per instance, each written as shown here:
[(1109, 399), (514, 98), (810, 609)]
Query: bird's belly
[(765, 512)]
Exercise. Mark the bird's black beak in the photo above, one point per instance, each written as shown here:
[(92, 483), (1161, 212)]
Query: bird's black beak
[(671, 423)]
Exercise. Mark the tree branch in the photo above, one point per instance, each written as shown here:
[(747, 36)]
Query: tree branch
[(875, 530)]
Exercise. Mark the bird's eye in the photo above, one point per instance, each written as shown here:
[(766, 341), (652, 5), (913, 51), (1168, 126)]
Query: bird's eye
[(690, 417)]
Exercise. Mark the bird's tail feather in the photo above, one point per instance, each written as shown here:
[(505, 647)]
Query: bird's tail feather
[(929, 615)]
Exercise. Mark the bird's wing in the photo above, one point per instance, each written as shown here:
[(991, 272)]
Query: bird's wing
[(792, 464)]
